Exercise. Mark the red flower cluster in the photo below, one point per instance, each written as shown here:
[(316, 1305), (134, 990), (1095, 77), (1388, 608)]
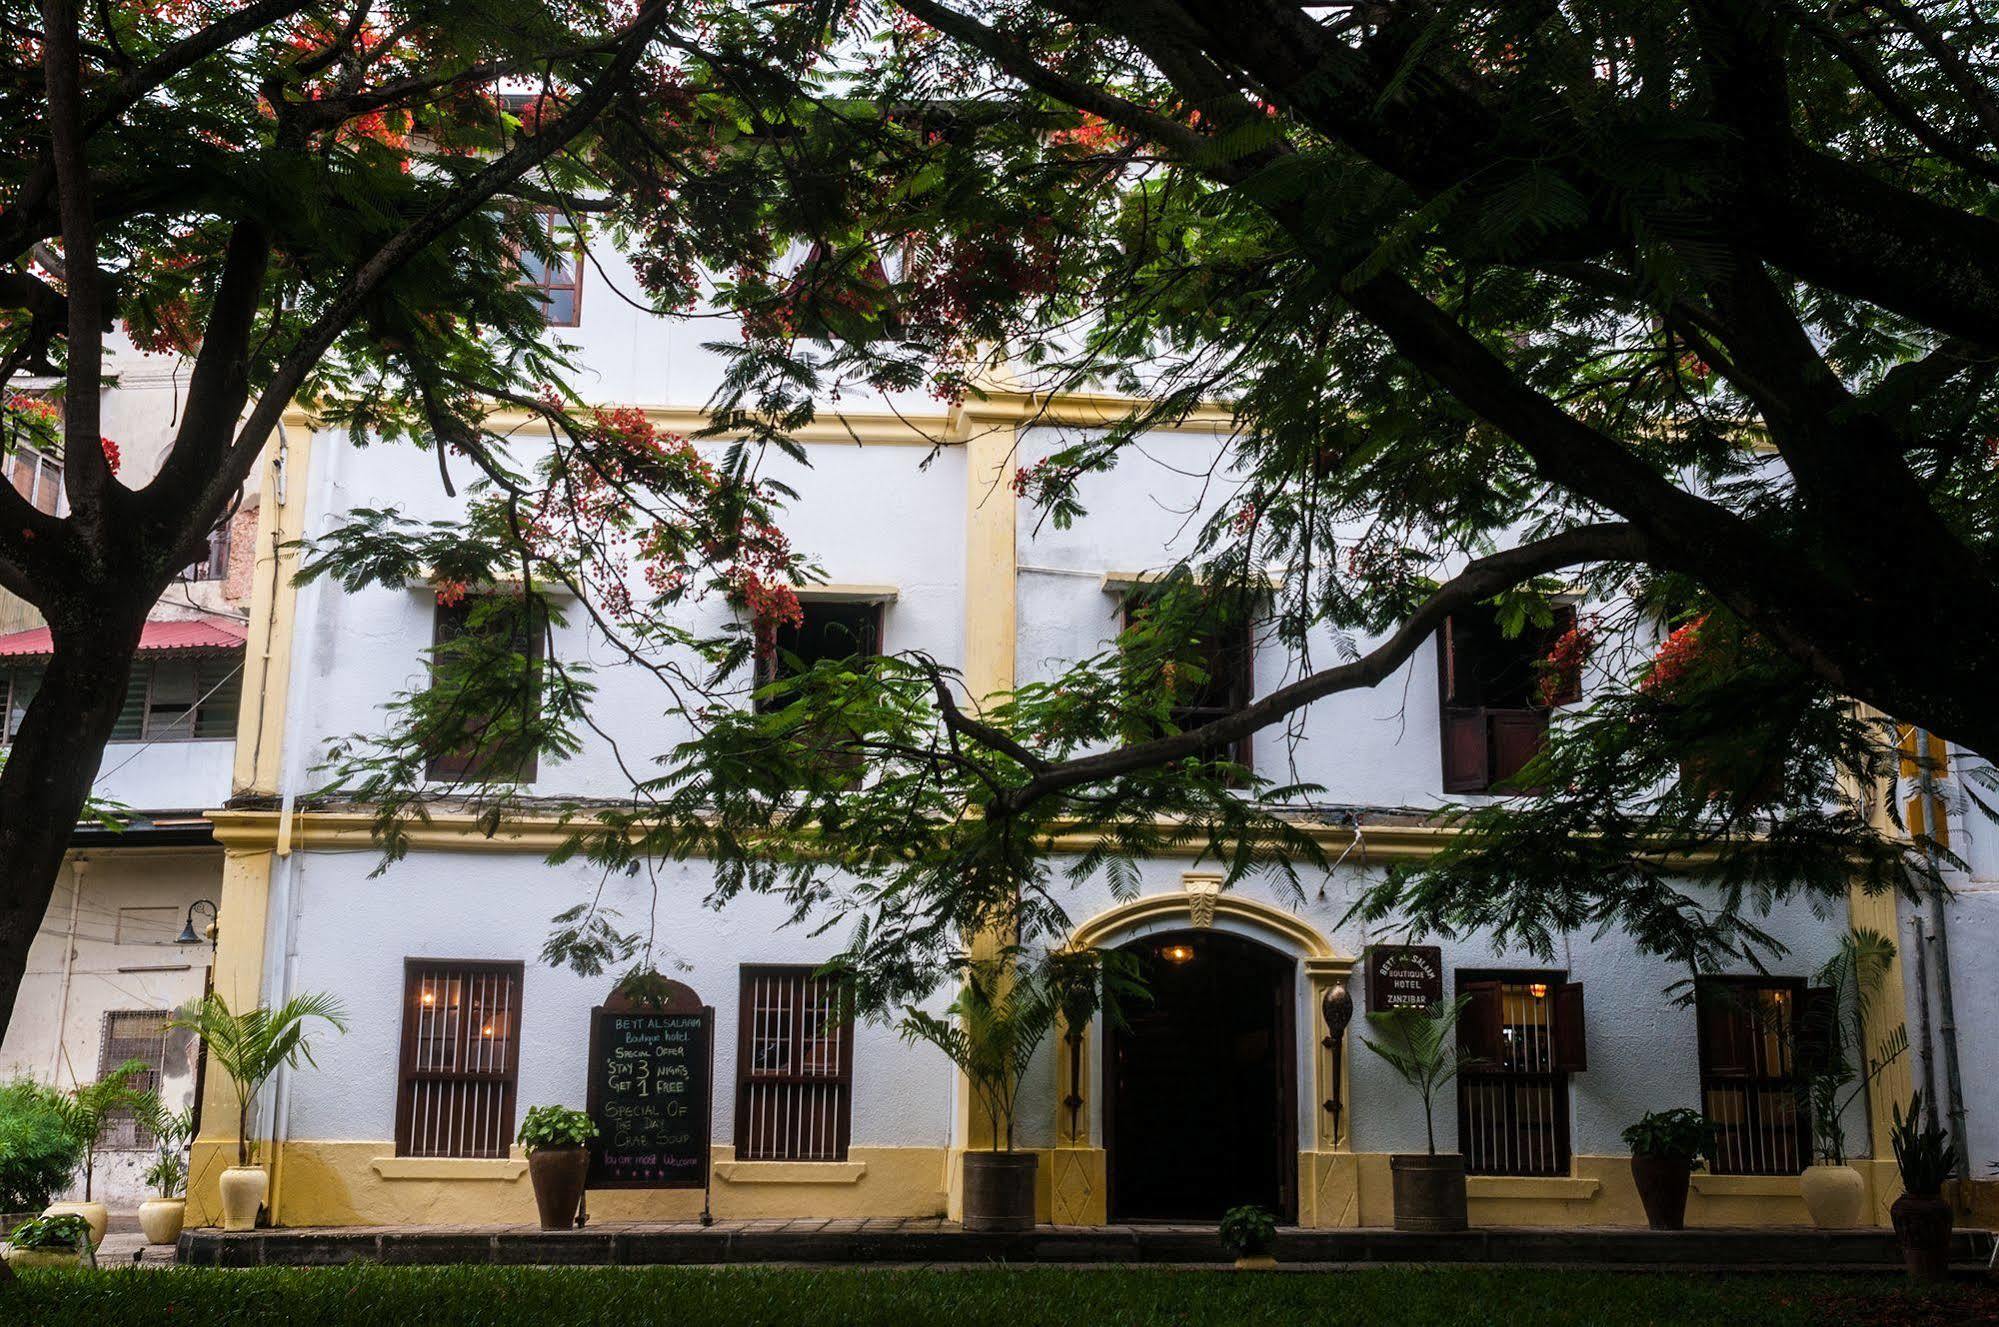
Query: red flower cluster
[(1676, 657), (111, 454), (1565, 658)]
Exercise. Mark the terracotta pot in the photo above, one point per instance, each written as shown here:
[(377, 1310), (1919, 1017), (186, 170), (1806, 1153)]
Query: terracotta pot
[(97, 1214), (1835, 1195), (162, 1218), (243, 1190), (1662, 1186), (1923, 1227), (558, 1174), (1429, 1191), (999, 1190)]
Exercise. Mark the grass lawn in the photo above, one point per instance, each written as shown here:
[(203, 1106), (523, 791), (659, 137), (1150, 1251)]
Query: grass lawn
[(976, 1297)]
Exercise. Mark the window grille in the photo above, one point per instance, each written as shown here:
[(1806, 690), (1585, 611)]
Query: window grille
[(1513, 1104), (1751, 1084), (132, 1034), (794, 1069), (460, 1058)]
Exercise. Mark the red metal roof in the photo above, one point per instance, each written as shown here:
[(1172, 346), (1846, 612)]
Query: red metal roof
[(183, 634)]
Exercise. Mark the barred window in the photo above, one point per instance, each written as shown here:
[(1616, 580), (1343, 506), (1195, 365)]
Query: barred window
[(1752, 1081), (794, 1067), (1526, 1028), (460, 1058), (132, 1034)]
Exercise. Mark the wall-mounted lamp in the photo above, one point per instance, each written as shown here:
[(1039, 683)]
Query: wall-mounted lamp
[(1177, 953), (1336, 1008), (187, 931)]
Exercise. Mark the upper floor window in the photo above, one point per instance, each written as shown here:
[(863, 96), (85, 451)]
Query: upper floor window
[(36, 477), (1757, 1052), (556, 277), (181, 699), (1216, 676), (477, 758), (1496, 696), (18, 686), (213, 564), (828, 629), (794, 1066), (1526, 1030)]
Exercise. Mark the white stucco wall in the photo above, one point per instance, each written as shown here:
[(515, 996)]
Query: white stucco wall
[(166, 775)]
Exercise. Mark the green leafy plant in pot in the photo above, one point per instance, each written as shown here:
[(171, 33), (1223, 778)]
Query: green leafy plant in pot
[(86, 1109), (58, 1240), (1421, 1044), (557, 1142), (1667, 1147), (1833, 1027), (250, 1048), (1004, 1010), (1250, 1233), (1922, 1216)]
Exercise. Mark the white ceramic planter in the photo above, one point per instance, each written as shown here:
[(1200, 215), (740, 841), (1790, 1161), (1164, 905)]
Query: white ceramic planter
[(1836, 1196), (243, 1190), (96, 1214), (162, 1218)]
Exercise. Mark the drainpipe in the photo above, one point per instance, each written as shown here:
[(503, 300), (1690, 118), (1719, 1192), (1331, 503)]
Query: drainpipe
[(1933, 813), (77, 867), (1925, 1044)]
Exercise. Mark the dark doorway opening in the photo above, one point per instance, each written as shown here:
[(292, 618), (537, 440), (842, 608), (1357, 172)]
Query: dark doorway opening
[(1200, 1107)]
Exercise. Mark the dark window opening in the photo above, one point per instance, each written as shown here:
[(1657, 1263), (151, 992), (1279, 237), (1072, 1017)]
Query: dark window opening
[(794, 1066), (477, 761), (213, 564), (829, 630), (37, 477), (1753, 1084), (1526, 1030), (460, 1058), (1226, 657), (1496, 697)]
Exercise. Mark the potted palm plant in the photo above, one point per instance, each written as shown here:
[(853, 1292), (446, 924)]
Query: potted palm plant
[(556, 1140), (163, 1215), (1835, 1193), (1003, 1012), (1666, 1148), (85, 1110), (251, 1047), (1922, 1216), (1421, 1044)]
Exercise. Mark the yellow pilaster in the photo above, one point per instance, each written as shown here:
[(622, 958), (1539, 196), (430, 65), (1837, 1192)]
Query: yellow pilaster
[(268, 652), (242, 912), (1328, 1171)]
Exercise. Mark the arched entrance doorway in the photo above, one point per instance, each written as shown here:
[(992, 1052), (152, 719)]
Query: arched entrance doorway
[(1200, 1108)]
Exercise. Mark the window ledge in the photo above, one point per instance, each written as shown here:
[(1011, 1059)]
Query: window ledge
[(1123, 582), (1745, 1186), (1547, 1188), (507, 1169), (841, 592), (790, 1172)]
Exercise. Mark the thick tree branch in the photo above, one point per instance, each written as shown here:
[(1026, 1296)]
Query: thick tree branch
[(1480, 580)]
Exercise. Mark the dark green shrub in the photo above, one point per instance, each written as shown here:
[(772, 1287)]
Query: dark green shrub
[(1672, 1135), (1248, 1231), (38, 1151), (66, 1231)]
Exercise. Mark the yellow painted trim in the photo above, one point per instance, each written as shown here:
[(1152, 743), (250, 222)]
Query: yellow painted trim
[(791, 1172), (267, 655), (1118, 582), (1746, 1186), (1178, 905), (839, 592), (340, 1183), (1532, 1188), (449, 1168)]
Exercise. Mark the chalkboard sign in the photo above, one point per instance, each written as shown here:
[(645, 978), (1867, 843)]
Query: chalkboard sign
[(650, 1093)]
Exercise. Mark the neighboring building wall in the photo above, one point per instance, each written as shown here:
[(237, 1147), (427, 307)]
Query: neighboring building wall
[(108, 944)]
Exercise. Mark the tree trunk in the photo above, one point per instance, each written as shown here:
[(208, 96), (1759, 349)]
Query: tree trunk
[(50, 766)]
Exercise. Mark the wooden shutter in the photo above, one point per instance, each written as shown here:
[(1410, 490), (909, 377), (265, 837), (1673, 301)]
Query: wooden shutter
[(1571, 1040), (1466, 755), (1517, 736), (1726, 1033), (460, 1060), (1817, 1029), (1479, 1025), (450, 622)]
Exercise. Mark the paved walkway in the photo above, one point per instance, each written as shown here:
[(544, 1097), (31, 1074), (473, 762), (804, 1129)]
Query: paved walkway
[(938, 1242)]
